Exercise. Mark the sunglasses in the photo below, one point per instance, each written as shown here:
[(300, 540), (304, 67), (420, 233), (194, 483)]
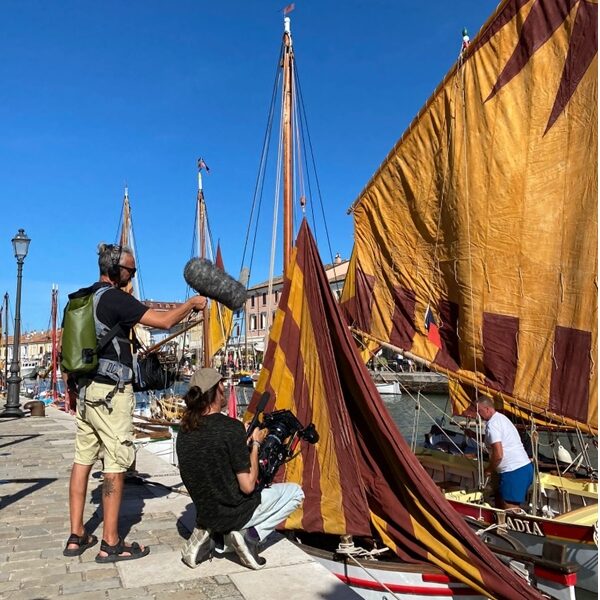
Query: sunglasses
[(130, 270)]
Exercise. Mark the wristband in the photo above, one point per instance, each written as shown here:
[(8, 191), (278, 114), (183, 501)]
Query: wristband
[(255, 443)]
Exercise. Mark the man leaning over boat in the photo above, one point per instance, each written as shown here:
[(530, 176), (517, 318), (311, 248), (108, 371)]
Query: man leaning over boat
[(508, 457)]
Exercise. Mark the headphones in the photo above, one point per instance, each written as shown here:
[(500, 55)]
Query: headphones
[(114, 272)]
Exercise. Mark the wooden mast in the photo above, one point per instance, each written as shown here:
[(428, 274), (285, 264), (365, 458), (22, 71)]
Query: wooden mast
[(202, 241), (287, 134)]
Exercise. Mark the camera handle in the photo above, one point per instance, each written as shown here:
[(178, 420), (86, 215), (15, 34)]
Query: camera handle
[(259, 410)]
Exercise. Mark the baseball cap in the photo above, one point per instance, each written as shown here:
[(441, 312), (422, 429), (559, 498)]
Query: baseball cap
[(205, 379)]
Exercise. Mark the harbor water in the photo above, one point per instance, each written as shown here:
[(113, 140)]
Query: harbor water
[(413, 413)]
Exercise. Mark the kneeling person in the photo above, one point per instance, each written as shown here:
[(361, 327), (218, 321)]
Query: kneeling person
[(221, 473)]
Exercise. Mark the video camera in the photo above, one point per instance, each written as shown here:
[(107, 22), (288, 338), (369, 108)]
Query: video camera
[(284, 435)]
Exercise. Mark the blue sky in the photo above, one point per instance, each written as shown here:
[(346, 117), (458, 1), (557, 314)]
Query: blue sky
[(94, 95)]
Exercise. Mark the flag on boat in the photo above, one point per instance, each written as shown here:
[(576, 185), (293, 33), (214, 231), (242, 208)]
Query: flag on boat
[(433, 332), (220, 317), (289, 8), (462, 214), (202, 166), (361, 478)]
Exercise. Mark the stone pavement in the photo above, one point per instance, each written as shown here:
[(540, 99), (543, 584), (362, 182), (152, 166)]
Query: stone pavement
[(36, 455)]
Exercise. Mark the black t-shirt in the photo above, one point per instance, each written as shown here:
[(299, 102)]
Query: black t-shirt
[(209, 458), (116, 306)]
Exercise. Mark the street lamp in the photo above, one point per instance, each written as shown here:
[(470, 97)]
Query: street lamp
[(12, 409)]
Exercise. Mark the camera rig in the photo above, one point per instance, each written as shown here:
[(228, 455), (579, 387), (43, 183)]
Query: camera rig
[(280, 445)]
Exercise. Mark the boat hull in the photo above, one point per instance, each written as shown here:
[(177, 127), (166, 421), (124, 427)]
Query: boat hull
[(374, 580), (533, 532)]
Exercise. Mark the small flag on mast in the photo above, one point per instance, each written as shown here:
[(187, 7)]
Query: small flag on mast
[(433, 332), (202, 165), (289, 8)]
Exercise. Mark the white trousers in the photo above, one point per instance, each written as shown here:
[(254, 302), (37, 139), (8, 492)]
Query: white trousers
[(276, 504)]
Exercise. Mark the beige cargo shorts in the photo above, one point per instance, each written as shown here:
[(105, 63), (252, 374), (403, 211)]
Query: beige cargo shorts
[(100, 427)]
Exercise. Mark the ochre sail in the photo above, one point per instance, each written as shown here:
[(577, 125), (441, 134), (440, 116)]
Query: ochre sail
[(476, 240), (220, 318), (361, 477)]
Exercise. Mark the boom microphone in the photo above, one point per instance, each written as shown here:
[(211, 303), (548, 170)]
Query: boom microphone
[(210, 281)]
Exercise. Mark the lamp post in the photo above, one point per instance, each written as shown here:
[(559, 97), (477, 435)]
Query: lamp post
[(12, 409)]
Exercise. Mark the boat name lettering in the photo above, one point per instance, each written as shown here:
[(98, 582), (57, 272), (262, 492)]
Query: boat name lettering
[(523, 526)]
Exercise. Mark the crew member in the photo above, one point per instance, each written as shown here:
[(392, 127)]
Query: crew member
[(507, 456), (220, 472), (104, 418)]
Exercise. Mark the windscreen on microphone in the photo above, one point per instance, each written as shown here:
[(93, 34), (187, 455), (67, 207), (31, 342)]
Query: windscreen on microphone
[(210, 281)]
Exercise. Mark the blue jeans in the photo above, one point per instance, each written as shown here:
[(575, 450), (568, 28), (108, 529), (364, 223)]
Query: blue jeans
[(277, 503)]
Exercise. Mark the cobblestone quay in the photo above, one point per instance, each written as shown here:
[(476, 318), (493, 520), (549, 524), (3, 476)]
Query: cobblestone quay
[(36, 457)]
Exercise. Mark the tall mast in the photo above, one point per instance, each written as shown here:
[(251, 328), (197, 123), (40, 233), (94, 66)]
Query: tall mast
[(202, 241), (287, 131)]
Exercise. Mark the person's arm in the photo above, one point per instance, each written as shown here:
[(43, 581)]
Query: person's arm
[(166, 319), (247, 479), (496, 454)]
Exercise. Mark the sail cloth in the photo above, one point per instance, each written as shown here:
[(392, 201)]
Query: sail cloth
[(484, 215), (361, 477), (221, 317)]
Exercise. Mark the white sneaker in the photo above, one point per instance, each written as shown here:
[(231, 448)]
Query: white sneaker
[(246, 548), (198, 548)]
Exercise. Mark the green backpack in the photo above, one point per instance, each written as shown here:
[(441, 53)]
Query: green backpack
[(80, 344)]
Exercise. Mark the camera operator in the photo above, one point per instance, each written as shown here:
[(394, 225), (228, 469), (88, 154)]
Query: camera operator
[(220, 472)]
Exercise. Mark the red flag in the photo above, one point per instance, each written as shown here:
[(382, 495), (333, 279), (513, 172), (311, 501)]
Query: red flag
[(289, 8), (433, 331), (232, 403), (202, 165)]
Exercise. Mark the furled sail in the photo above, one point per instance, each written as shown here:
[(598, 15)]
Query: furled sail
[(476, 240), (361, 477), (126, 239), (220, 318)]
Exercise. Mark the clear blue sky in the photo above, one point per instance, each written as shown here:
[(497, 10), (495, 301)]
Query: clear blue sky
[(94, 95)]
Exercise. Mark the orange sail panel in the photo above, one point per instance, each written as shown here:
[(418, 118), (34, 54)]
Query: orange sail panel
[(220, 318), (476, 240), (361, 478)]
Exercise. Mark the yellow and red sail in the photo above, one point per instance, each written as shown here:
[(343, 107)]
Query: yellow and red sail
[(361, 478), (476, 240), (220, 317)]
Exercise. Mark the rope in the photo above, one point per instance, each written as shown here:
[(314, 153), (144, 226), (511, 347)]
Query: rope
[(413, 441), (349, 550)]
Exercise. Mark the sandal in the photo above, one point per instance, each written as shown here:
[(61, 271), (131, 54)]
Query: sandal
[(114, 552), (83, 542)]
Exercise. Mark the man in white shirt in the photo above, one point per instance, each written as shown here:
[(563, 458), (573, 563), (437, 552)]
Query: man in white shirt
[(507, 456)]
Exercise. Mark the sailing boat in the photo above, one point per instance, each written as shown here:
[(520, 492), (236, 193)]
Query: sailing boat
[(361, 481), (217, 320), (490, 192)]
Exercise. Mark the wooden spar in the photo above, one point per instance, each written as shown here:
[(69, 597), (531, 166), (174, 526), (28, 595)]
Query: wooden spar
[(518, 408), (156, 346), (288, 58)]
